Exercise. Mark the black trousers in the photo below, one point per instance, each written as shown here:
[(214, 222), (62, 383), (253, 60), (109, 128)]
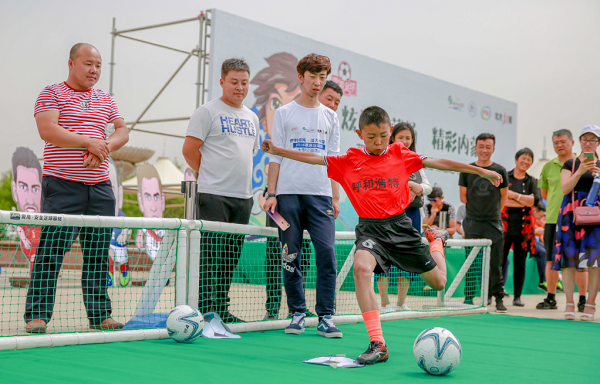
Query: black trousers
[(519, 258), (219, 252), (273, 269), (315, 214), (70, 197), (493, 230), (549, 237)]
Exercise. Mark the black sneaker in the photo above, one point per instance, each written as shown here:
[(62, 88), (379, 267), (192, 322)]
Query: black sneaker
[(547, 304), (581, 305), (376, 353), (500, 308), (518, 303), (504, 293)]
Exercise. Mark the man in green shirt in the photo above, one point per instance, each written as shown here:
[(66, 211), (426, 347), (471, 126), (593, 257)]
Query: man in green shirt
[(551, 190)]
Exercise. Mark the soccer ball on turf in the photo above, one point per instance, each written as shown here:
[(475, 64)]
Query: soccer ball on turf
[(437, 351), (185, 324)]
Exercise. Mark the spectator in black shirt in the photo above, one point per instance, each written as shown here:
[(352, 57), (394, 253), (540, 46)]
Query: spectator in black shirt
[(484, 202), (518, 221)]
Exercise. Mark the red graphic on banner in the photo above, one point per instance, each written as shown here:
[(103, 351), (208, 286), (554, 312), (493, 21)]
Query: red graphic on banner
[(344, 79)]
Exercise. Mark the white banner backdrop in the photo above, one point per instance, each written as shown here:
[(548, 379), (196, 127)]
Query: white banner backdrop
[(446, 117)]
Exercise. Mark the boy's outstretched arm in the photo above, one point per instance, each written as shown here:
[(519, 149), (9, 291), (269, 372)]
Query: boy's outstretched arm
[(451, 165), (304, 157)]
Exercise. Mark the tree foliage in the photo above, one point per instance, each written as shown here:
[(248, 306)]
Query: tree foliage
[(6, 199)]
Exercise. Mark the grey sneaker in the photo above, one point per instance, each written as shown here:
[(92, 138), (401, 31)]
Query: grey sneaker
[(296, 327), (376, 353), (327, 328)]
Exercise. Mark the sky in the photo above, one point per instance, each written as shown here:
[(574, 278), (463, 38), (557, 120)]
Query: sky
[(542, 55)]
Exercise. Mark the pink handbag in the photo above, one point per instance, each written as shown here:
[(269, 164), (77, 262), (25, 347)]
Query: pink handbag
[(584, 215)]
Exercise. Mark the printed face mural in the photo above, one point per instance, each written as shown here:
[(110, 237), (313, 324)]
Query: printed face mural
[(27, 181), (278, 85)]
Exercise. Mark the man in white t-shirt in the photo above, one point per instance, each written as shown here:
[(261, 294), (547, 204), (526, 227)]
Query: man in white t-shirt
[(219, 145), (302, 193)]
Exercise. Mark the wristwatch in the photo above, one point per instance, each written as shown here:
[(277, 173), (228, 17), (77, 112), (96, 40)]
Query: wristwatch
[(266, 194)]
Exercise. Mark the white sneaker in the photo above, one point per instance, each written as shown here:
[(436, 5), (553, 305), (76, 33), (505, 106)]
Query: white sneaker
[(388, 308), (393, 308)]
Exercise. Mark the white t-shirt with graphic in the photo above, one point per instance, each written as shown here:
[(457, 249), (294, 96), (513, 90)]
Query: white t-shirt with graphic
[(314, 130), (230, 136)]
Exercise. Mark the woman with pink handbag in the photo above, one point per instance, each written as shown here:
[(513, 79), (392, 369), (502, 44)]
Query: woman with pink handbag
[(578, 245)]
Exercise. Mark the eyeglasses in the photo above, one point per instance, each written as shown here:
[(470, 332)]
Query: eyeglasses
[(433, 200), (591, 141)]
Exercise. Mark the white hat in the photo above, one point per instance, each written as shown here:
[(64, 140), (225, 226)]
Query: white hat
[(591, 129)]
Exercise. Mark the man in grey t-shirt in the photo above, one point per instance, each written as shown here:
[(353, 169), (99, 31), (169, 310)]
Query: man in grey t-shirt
[(219, 145)]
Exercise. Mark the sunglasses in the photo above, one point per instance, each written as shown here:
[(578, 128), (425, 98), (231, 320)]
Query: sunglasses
[(433, 200)]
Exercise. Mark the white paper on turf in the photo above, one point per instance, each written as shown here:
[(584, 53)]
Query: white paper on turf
[(340, 361), (215, 328)]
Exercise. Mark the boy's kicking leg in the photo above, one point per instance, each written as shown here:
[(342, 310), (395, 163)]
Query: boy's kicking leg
[(436, 278), (364, 264)]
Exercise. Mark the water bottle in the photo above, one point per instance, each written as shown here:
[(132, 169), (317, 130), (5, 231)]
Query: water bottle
[(592, 196)]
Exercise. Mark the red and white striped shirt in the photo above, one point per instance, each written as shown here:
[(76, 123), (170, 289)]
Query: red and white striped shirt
[(82, 112)]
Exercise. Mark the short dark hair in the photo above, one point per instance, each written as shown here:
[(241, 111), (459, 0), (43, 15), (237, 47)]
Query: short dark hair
[(373, 115), (76, 47), (234, 65), (435, 192), (333, 85), (563, 132), (540, 205), (26, 158), (314, 63), (524, 151), (485, 136), (405, 126)]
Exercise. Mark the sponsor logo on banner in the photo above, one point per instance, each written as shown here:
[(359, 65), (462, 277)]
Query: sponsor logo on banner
[(472, 109), (344, 79), (455, 103), (503, 117), (295, 129), (486, 113), (15, 216)]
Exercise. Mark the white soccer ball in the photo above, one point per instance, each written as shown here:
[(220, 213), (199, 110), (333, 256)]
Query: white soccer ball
[(437, 351), (185, 324)]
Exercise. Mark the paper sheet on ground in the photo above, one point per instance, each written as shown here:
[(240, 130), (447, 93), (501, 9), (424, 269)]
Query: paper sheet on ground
[(335, 361)]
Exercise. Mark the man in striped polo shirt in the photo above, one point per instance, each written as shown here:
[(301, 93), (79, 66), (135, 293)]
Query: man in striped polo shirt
[(71, 118)]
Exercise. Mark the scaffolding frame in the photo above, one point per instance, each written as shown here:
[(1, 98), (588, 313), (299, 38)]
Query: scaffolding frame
[(200, 51)]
